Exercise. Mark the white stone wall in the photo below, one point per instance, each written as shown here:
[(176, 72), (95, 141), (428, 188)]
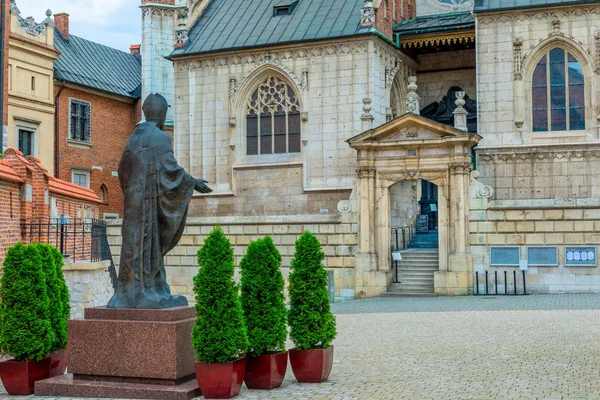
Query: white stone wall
[(403, 202), (330, 79), (158, 37), (505, 69), (89, 285), (439, 71), (336, 233)]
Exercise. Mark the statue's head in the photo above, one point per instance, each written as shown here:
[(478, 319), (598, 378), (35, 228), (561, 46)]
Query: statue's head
[(155, 109)]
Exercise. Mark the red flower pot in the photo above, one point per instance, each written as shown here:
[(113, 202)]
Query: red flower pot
[(19, 377), (58, 362), (266, 371), (220, 380), (311, 366)]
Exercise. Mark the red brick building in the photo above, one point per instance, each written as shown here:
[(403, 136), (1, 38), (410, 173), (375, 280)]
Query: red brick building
[(97, 92), (30, 195), (5, 32)]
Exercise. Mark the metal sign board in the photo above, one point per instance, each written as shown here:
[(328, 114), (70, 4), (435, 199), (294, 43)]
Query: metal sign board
[(542, 256), (580, 256), (423, 223), (505, 256)]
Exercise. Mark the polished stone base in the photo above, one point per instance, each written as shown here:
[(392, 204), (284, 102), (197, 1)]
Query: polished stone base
[(70, 386), (128, 353)]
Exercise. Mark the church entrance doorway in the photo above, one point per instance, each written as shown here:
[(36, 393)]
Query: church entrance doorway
[(434, 160)]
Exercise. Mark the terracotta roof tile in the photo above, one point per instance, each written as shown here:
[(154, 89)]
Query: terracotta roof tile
[(7, 173), (58, 186)]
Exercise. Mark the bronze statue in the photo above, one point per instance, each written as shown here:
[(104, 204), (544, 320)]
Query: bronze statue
[(157, 194)]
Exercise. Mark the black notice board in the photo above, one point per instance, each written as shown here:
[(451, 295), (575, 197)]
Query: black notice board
[(423, 224)]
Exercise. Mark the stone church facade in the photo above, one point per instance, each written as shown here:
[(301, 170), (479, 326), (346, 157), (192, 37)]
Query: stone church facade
[(352, 119)]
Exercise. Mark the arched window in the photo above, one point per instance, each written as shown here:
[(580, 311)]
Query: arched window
[(104, 194), (273, 119), (558, 93)]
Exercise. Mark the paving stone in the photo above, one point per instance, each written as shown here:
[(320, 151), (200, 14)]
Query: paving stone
[(487, 347)]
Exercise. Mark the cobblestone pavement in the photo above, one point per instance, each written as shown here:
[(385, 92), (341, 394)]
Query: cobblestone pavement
[(535, 347)]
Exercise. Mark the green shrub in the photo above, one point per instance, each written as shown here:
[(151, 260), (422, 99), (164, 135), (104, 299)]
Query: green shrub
[(312, 325), (54, 304), (262, 298), (64, 299), (219, 334), (24, 306)]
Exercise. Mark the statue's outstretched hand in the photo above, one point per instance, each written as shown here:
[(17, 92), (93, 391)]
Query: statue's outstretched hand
[(201, 186)]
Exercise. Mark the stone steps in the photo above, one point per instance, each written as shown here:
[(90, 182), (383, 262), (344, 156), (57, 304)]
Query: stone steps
[(415, 274)]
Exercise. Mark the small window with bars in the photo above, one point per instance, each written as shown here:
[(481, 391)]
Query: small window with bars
[(80, 125)]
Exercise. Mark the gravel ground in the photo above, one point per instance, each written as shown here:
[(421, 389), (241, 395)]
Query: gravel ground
[(533, 347)]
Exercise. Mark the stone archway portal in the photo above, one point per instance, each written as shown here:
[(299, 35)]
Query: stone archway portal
[(408, 148)]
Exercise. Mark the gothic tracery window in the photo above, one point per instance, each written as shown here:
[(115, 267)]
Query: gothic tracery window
[(558, 93), (273, 119)]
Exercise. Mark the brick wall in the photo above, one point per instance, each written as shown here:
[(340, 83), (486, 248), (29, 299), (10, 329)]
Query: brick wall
[(27, 191), (337, 234), (391, 12), (113, 121), (10, 213)]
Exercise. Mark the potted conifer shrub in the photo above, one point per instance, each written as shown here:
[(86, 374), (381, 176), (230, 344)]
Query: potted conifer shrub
[(25, 330), (265, 315), (312, 325), (60, 306), (219, 336)]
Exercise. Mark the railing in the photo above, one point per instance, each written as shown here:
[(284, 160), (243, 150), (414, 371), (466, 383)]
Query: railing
[(500, 288), (401, 239), (78, 239)]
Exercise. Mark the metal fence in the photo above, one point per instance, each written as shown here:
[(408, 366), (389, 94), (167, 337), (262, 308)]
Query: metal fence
[(402, 238), (78, 239), (500, 284)]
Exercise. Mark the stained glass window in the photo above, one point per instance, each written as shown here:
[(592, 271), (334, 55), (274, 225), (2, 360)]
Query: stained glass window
[(273, 119), (557, 89)]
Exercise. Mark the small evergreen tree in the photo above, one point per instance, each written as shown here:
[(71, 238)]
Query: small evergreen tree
[(53, 291), (312, 325), (24, 306), (219, 334), (64, 298), (262, 298)]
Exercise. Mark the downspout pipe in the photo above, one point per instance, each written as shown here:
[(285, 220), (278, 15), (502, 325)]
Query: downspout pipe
[(2, 69), (56, 128)]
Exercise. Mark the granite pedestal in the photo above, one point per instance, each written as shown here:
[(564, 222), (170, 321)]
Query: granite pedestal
[(128, 353)]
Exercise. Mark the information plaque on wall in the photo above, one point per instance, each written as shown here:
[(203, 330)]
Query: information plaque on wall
[(542, 256), (422, 223), (504, 256), (580, 256)]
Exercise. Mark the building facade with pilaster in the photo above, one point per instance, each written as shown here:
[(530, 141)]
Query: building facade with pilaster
[(460, 135)]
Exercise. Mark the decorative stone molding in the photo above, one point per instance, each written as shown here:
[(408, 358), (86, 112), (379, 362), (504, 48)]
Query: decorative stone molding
[(517, 58), (446, 40), (460, 168), (305, 79), (460, 114), (365, 172), (30, 26), (367, 14), (13, 8), (390, 74), (357, 47), (367, 108), (181, 34), (597, 49), (345, 206), (500, 156), (304, 116), (412, 98), (232, 121), (232, 87), (389, 114), (555, 24), (480, 190)]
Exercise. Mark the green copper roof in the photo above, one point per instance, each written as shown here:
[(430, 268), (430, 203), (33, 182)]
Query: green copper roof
[(435, 23), (237, 24), (500, 5), (96, 66)]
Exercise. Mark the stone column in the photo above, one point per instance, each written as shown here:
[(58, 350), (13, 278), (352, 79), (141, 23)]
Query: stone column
[(383, 228), (369, 281), (458, 278), (443, 226)]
